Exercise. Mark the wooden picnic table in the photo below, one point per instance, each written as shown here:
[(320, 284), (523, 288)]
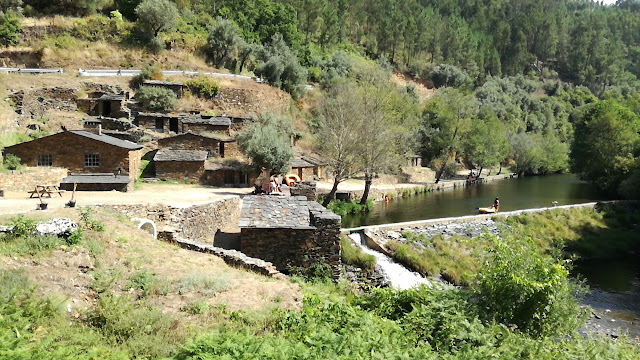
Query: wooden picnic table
[(42, 190)]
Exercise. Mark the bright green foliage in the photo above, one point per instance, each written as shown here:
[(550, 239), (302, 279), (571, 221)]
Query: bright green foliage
[(10, 28), (353, 255), (204, 86), (486, 145), (607, 144), (267, 142), (22, 226), (342, 207), (155, 16), (87, 221), (147, 72), (280, 67), (11, 162), (520, 286), (156, 98)]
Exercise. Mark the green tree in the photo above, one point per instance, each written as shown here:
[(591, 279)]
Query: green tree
[(486, 144), (155, 16), (10, 28), (156, 98), (267, 142), (280, 67), (222, 41), (6, 5), (338, 133), (607, 144), (127, 8)]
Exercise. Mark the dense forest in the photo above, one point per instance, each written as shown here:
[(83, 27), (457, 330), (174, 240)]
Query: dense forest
[(516, 79)]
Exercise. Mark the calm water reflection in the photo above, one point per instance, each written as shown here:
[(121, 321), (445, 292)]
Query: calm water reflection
[(514, 194)]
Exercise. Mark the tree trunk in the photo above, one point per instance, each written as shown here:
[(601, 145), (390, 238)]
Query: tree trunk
[(332, 193), (480, 172), (440, 172), (368, 179), (499, 171)]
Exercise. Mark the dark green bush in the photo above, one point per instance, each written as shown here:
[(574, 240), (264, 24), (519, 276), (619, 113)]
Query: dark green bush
[(341, 207), (11, 162), (10, 28), (156, 99)]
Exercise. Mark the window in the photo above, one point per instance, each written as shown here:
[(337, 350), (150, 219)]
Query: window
[(45, 160), (91, 160)]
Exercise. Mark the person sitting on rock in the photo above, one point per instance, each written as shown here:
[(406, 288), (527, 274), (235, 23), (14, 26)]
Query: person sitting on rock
[(495, 205)]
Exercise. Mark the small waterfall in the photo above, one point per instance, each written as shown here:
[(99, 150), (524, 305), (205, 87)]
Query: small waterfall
[(398, 276)]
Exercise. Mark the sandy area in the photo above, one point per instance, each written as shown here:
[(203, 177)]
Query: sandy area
[(174, 195)]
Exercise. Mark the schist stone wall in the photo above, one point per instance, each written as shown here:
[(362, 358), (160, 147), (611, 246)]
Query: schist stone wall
[(191, 141), (191, 172), (28, 178), (196, 223), (290, 231), (304, 188)]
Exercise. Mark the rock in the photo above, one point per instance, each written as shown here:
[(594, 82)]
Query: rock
[(61, 227)]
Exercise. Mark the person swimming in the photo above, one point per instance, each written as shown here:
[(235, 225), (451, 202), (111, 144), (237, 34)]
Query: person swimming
[(495, 205)]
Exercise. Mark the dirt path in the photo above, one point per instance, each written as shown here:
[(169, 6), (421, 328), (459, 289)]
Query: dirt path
[(174, 195)]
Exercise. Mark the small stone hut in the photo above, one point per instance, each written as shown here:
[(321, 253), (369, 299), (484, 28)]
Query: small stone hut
[(308, 167), (180, 165), (213, 124), (81, 151), (191, 141), (229, 174), (289, 231), (158, 122), (109, 105)]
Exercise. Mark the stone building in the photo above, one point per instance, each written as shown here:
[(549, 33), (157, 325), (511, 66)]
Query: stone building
[(81, 151), (191, 141), (204, 124), (158, 122), (229, 174), (180, 165), (308, 168), (176, 87), (289, 231), (108, 105)]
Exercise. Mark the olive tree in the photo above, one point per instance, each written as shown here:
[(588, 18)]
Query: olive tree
[(281, 68), (155, 16), (267, 142)]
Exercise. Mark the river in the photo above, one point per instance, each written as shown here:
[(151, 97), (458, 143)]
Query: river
[(514, 194)]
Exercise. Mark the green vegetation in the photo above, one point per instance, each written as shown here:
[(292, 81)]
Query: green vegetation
[(10, 27), (267, 142), (353, 255), (343, 207), (11, 162), (204, 86), (154, 98)]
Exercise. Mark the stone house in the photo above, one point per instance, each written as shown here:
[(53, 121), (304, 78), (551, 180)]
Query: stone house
[(81, 151), (413, 160), (176, 87), (108, 105), (158, 122), (289, 231), (191, 141), (204, 124), (229, 174), (180, 165), (308, 167)]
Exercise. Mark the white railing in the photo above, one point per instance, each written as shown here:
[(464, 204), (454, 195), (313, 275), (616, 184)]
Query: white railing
[(31, 70), (135, 72)]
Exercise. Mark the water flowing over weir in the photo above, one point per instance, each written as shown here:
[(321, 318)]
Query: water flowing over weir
[(397, 275)]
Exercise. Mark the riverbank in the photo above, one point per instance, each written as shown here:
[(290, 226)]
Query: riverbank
[(454, 249)]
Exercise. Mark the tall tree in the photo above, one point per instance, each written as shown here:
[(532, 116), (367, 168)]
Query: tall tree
[(339, 124), (267, 142), (155, 16)]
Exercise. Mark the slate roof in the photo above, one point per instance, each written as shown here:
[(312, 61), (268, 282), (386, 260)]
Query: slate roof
[(301, 163), (180, 155), (220, 121), (111, 97), (315, 160), (160, 82), (275, 212), (108, 139), (96, 179)]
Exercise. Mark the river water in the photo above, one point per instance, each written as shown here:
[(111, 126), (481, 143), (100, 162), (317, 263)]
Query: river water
[(614, 283), (514, 194)]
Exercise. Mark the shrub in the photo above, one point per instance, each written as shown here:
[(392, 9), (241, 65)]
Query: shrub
[(10, 28), (341, 207), (520, 286), (11, 162), (156, 99), (23, 227), (204, 86), (88, 222), (148, 72), (352, 255)]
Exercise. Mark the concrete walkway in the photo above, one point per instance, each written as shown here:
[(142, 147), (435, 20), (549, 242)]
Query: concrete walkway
[(460, 219)]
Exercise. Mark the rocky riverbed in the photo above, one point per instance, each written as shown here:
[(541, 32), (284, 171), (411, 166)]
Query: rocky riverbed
[(468, 229)]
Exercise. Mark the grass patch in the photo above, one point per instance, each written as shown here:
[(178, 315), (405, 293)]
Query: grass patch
[(353, 255), (208, 284)]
